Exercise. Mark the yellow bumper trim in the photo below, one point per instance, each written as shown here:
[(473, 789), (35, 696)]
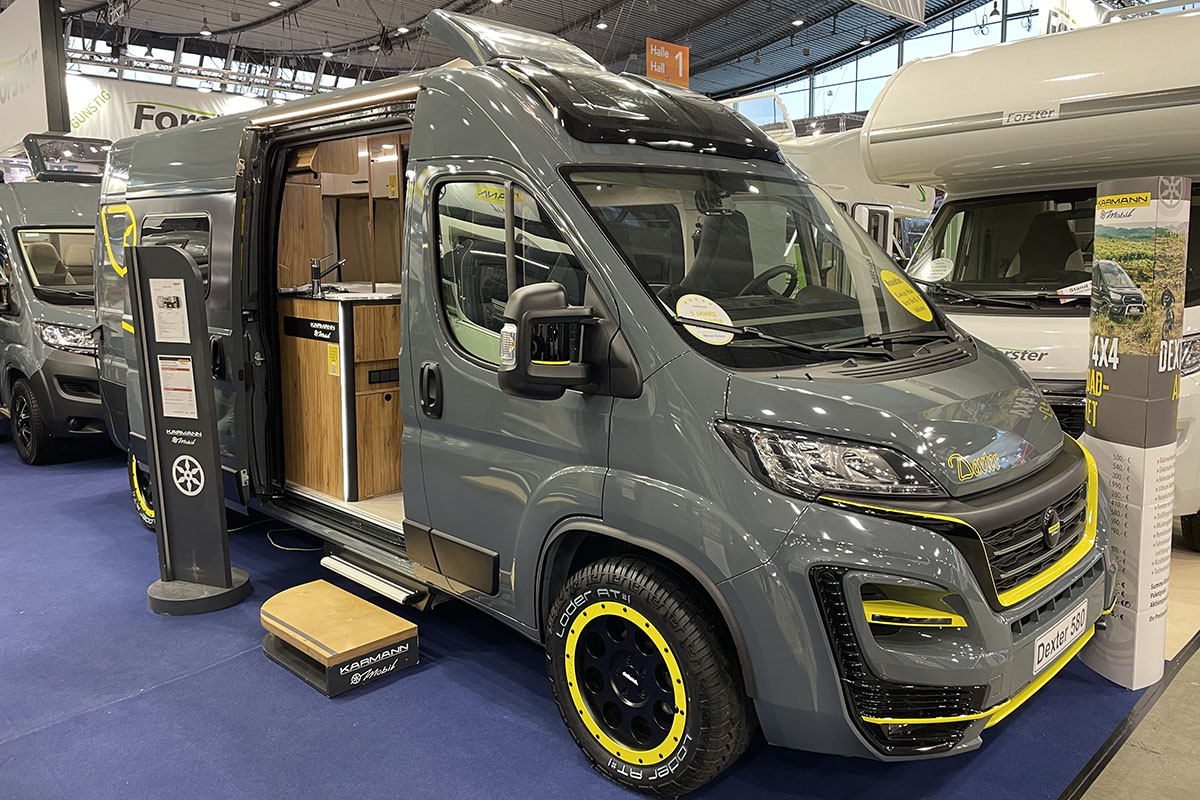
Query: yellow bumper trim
[(1002, 710)]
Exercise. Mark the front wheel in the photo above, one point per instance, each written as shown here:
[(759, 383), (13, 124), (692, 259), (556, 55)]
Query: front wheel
[(142, 492), (29, 433), (648, 686)]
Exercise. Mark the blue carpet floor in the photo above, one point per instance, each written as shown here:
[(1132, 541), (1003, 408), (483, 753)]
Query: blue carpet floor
[(99, 698)]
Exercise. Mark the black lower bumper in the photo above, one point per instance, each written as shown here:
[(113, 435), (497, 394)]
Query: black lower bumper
[(68, 390)]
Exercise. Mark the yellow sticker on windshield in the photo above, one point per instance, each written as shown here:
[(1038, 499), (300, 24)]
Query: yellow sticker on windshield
[(906, 295), (699, 307)]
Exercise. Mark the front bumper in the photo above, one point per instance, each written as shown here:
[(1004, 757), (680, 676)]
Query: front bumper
[(830, 681), (68, 390)]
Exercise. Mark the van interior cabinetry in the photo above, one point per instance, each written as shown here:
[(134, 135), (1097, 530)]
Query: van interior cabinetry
[(376, 331), (312, 394)]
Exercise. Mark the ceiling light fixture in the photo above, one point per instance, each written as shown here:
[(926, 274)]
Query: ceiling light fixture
[(834, 32), (866, 39), (403, 29), (797, 22), (327, 52), (497, 2), (204, 29), (995, 9), (601, 24), (757, 60), (274, 3)]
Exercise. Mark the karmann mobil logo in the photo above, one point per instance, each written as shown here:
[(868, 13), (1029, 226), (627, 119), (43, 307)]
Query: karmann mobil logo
[(971, 468)]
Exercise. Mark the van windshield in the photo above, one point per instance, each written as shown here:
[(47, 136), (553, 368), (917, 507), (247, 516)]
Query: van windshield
[(739, 250), (1036, 246), (58, 262)]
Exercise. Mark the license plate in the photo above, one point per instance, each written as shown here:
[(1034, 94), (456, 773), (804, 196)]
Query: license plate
[(1054, 642)]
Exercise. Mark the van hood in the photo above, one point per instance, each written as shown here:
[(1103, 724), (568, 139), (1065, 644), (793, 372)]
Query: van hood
[(81, 316), (973, 427), (1051, 348)]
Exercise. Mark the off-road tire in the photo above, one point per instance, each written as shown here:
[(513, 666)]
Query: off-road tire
[(1190, 526), (718, 720), (141, 491), (29, 433)]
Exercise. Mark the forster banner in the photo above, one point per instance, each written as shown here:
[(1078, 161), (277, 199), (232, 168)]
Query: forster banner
[(32, 62), (911, 10), (105, 108), (1140, 253)]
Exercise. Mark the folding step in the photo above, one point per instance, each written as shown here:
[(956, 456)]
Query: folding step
[(376, 580), (334, 640)]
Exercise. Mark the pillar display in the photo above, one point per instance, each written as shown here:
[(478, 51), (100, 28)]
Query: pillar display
[(1139, 259)]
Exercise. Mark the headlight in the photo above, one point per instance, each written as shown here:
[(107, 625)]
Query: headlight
[(1114, 294), (805, 465), (64, 337), (1189, 359)]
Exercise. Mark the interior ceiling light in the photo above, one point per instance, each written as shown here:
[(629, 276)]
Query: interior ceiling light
[(204, 29), (403, 29), (995, 9), (798, 22), (866, 39), (601, 24), (274, 3), (652, 7), (757, 60), (327, 52)]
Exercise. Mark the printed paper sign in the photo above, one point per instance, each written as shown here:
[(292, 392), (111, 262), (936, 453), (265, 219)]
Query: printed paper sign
[(170, 310), (699, 307), (938, 268), (178, 387), (334, 355), (1083, 289), (906, 295)]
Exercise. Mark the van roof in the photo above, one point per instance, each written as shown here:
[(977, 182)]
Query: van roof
[(1067, 109)]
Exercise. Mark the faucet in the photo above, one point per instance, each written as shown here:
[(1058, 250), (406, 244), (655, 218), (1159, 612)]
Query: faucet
[(314, 266)]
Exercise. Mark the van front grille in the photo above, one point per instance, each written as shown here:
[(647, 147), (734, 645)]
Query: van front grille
[(1020, 551), (870, 696)]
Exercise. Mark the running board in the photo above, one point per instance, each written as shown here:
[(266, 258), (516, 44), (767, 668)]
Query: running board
[(404, 595)]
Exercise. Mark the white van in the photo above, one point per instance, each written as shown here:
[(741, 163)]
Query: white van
[(888, 212), (1010, 253)]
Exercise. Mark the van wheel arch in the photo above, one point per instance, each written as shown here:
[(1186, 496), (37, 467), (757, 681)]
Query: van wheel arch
[(579, 543)]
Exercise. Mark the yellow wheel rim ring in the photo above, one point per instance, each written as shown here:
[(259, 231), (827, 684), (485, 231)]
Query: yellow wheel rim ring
[(143, 506), (664, 749)]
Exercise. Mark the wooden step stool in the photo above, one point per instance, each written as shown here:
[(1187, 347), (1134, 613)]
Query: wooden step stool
[(333, 639)]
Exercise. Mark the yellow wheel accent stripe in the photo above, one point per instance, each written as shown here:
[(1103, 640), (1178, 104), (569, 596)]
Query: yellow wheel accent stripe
[(137, 490), (1042, 579), (643, 757), (125, 236), (1002, 710), (910, 615)]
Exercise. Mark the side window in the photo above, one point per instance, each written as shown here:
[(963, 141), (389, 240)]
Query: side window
[(471, 265), (191, 233)]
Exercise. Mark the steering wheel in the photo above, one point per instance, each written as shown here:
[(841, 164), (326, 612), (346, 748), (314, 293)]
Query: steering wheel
[(760, 281)]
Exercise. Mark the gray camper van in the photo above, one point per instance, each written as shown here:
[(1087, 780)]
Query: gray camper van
[(584, 351), (49, 387)]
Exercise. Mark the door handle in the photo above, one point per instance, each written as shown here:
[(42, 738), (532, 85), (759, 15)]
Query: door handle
[(431, 389), (217, 357)]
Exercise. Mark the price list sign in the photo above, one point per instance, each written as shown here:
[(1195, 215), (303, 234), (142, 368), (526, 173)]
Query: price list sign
[(1138, 276)]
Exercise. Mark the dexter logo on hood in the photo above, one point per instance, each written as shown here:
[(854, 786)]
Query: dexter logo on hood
[(971, 468)]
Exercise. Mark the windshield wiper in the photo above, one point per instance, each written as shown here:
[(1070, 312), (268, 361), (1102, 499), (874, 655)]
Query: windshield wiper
[(822, 350), (965, 296), (881, 339), (60, 290), (1052, 297)]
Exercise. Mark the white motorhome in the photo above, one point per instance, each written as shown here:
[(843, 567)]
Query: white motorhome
[(1010, 253), (834, 162)]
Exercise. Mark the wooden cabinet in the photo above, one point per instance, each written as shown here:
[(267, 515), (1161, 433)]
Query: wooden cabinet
[(340, 377)]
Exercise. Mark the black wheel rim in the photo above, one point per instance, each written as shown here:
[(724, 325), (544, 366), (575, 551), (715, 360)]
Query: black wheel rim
[(625, 682), (21, 423)]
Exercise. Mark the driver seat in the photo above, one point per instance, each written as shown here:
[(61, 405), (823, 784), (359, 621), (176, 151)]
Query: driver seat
[(723, 264)]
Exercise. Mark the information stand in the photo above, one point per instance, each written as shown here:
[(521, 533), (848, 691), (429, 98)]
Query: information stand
[(167, 303), (1140, 253)]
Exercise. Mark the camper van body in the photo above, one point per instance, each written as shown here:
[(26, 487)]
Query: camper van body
[(49, 388), (888, 212), (638, 455), (1036, 144)]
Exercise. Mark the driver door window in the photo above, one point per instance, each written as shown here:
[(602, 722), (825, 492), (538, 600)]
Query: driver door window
[(471, 261)]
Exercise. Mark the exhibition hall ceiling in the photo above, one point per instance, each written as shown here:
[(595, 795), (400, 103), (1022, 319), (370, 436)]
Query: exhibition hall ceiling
[(735, 44)]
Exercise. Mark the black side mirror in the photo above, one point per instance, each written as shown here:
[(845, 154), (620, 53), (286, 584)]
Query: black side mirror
[(541, 343)]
